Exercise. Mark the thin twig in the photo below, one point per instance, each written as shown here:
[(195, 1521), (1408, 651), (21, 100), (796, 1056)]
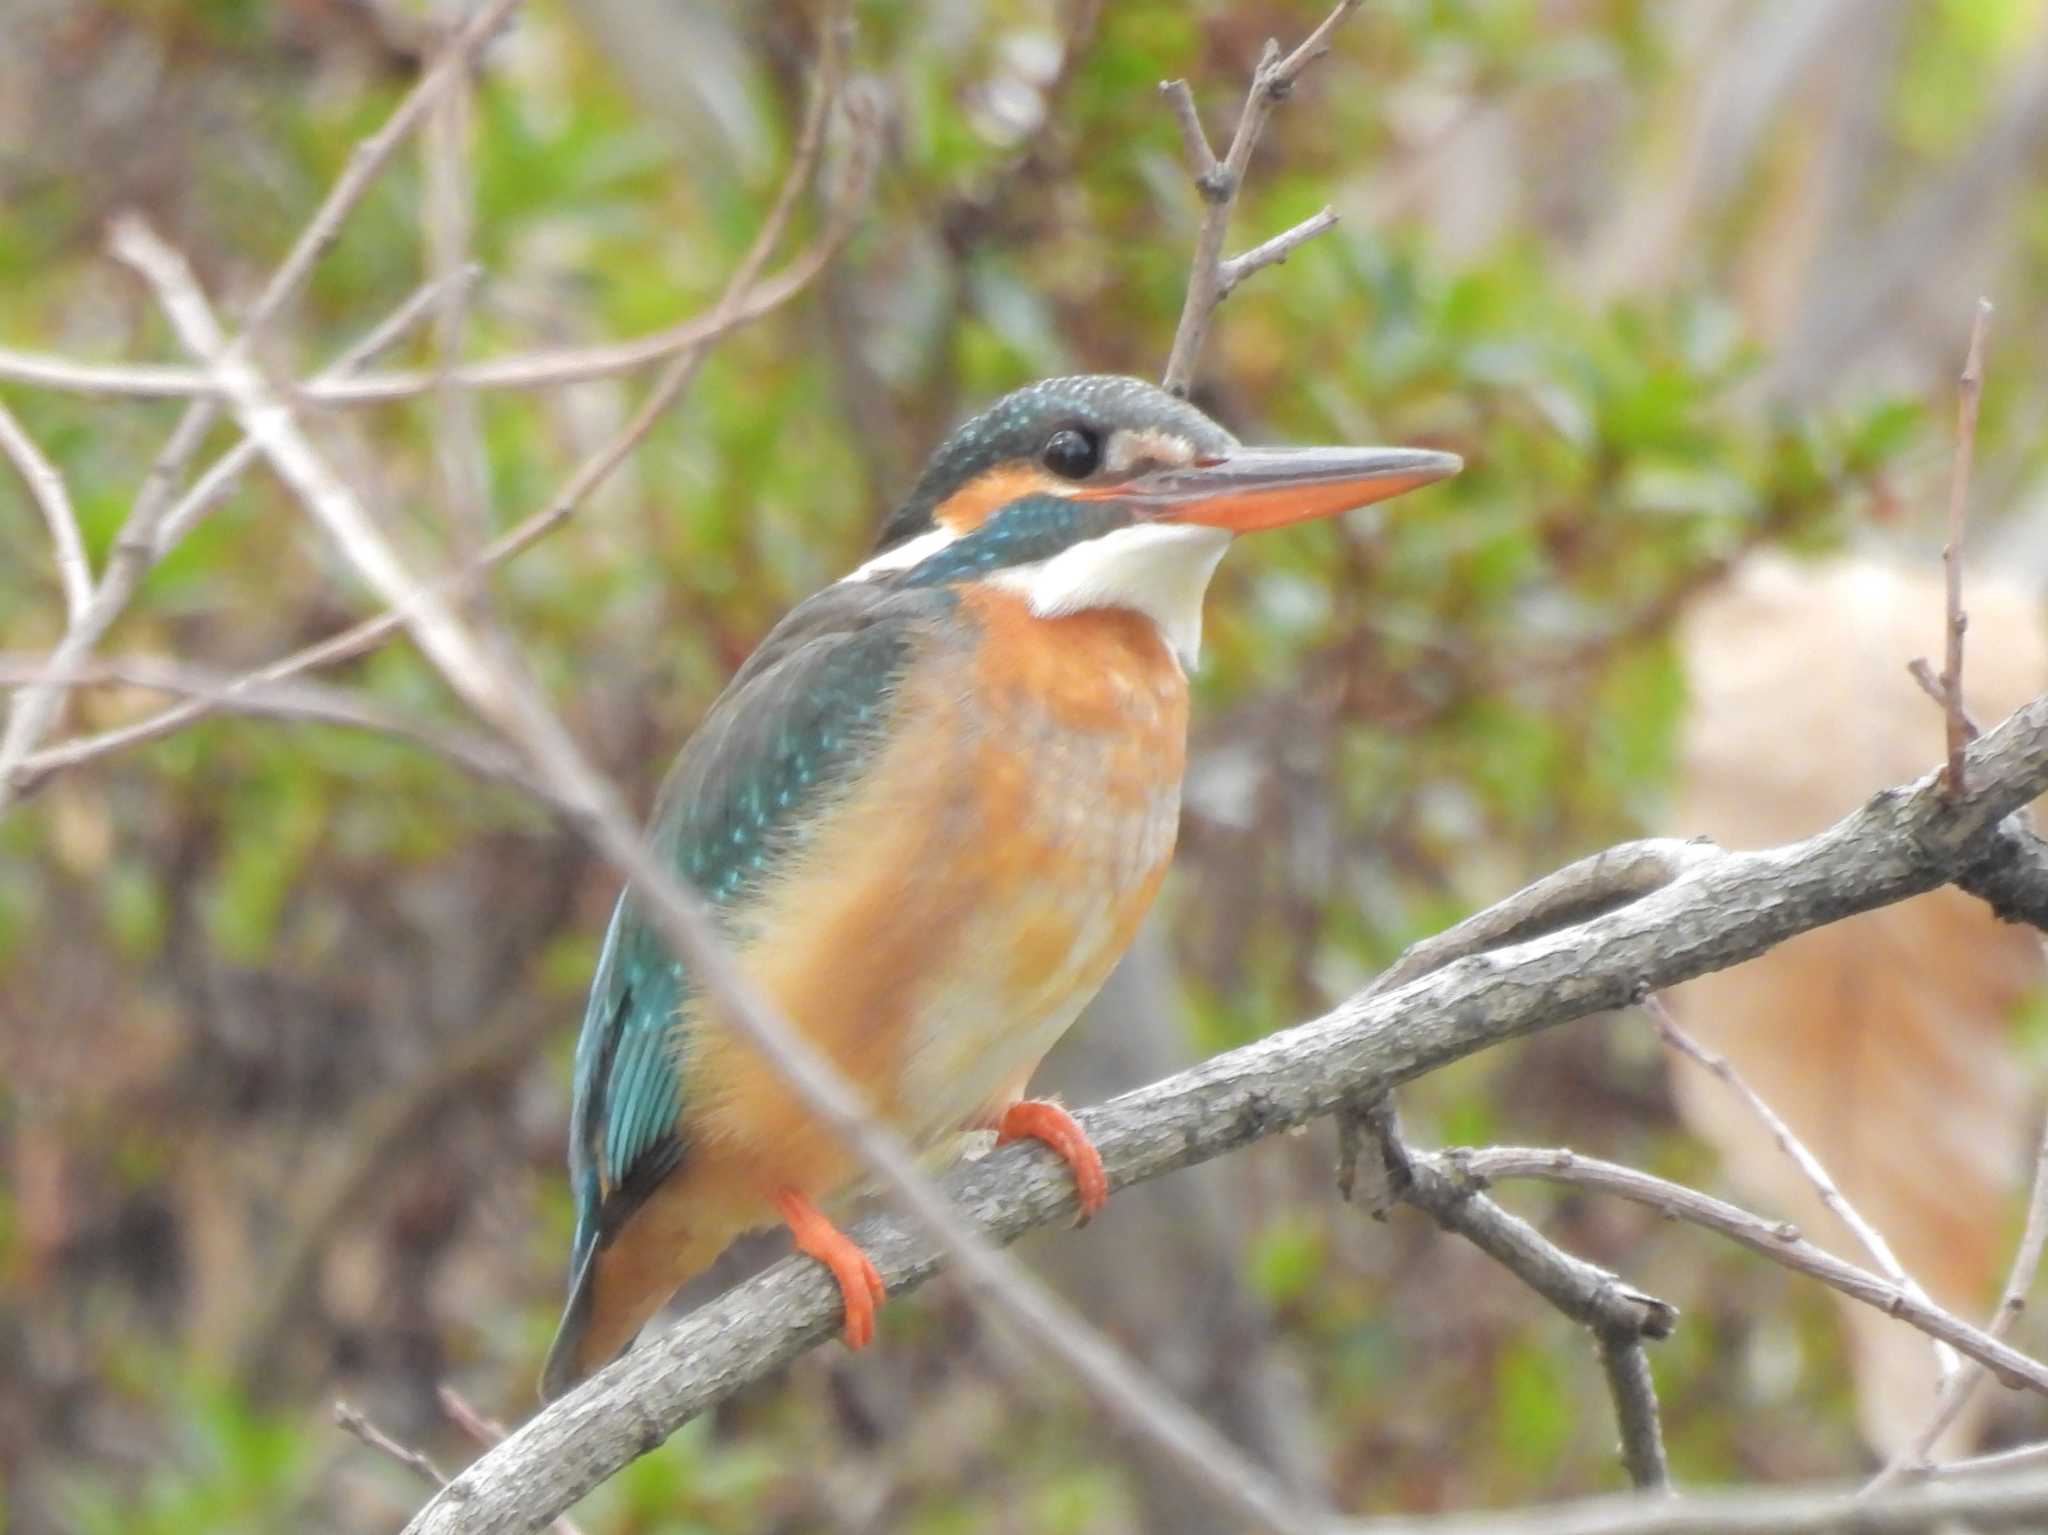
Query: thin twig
[(1271, 252), (1619, 1318), (448, 214), (736, 307), (303, 702), (1960, 730), (1780, 1241), (2022, 1457), (1797, 1152), (1220, 182), (207, 491), (1955, 1393), (368, 160), (46, 489), (354, 1424), (543, 369), (35, 708)]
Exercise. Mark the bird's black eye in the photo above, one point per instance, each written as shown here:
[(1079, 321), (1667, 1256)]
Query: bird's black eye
[(1073, 453)]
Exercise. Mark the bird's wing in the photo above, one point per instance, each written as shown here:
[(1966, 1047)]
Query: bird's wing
[(793, 732)]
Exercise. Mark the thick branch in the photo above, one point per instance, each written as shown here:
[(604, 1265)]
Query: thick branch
[(1720, 909), (1620, 1318)]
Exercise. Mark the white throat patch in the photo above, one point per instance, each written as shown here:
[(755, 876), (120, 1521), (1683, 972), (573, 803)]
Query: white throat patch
[(911, 552), (1159, 569)]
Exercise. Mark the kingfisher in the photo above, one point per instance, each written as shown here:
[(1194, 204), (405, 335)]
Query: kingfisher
[(928, 815)]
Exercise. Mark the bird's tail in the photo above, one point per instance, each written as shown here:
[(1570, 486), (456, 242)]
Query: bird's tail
[(618, 1287), (568, 1356)]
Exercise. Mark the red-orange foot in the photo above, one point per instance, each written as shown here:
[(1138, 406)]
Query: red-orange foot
[(860, 1282), (1036, 1119)]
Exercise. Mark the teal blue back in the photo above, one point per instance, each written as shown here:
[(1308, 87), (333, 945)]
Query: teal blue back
[(782, 745)]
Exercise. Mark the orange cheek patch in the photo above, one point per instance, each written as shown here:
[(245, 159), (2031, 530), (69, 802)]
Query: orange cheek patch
[(980, 498)]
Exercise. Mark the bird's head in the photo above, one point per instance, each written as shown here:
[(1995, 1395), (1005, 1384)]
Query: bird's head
[(1099, 491)]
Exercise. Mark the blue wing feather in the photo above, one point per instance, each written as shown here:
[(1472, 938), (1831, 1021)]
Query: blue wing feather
[(791, 732)]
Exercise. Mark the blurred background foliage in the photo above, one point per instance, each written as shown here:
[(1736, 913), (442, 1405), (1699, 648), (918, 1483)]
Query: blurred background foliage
[(285, 1013)]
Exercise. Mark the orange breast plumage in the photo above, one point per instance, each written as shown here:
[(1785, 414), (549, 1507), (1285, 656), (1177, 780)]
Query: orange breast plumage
[(952, 920)]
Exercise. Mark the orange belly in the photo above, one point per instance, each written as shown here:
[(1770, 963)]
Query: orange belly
[(951, 920)]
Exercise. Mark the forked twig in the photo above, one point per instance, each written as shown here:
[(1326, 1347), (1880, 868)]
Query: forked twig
[(736, 306), (1220, 181)]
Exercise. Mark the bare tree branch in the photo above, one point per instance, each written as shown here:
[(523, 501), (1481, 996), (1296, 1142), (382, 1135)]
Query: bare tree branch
[(1948, 690), (1620, 1318), (1780, 1241), (2004, 1502), (737, 306), (303, 702), (1271, 252), (1627, 1367), (526, 370), (1220, 181), (46, 489), (207, 491), (357, 1426), (1720, 909), (1956, 1393), (34, 710), (1796, 1151)]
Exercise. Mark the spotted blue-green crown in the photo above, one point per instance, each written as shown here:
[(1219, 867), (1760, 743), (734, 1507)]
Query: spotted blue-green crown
[(1019, 425)]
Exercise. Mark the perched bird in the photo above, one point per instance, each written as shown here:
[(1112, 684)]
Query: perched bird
[(929, 813)]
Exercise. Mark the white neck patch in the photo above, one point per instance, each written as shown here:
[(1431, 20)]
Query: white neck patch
[(911, 552), (1159, 569)]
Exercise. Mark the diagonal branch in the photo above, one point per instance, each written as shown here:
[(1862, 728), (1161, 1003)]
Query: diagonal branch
[(738, 305), (46, 489), (1956, 1392), (141, 543), (1780, 1241), (1618, 1317)]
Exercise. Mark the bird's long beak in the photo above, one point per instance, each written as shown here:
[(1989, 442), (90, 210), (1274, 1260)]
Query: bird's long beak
[(1254, 488)]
